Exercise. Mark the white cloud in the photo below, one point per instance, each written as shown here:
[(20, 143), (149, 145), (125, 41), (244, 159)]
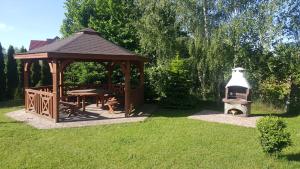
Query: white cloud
[(5, 28)]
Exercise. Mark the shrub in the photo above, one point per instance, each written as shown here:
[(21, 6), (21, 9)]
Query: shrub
[(150, 89), (170, 84), (294, 100), (273, 135), (274, 92)]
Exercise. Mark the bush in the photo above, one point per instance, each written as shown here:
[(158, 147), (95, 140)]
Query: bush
[(169, 84), (84, 73), (273, 135), (274, 92), (150, 89), (177, 92)]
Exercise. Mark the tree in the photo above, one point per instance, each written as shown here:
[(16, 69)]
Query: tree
[(113, 19), (46, 78), (20, 89), (213, 36), (12, 73), (35, 77), (2, 75), (158, 29)]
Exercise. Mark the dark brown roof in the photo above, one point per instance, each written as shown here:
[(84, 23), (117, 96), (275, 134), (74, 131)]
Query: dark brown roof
[(86, 41)]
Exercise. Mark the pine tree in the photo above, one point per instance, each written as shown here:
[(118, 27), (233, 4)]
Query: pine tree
[(35, 73), (2, 75), (12, 73), (46, 78)]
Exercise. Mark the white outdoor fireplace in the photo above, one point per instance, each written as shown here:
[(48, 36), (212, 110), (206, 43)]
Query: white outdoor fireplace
[(237, 94)]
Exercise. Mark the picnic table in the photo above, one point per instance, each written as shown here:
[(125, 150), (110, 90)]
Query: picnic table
[(82, 94)]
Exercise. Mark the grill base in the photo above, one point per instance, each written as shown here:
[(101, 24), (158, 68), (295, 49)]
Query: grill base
[(245, 109)]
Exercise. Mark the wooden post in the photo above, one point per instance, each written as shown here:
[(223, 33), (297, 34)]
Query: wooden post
[(61, 81), (62, 66), (26, 75), (26, 80), (109, 82), (55, 72), (127, 88), (61, 84), (142, 81)]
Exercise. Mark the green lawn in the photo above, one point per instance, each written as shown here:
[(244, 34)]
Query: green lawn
[(166, 140)]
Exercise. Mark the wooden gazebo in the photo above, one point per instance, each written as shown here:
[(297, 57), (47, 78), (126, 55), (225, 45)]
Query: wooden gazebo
[(83, 46)]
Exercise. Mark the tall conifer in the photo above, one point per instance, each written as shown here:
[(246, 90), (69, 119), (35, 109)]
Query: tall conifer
[(12, 73), (35, 73), (20, 90), (2, 75), (46, 78)]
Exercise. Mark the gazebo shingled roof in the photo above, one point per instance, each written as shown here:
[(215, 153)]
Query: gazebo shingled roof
[(85, 44)]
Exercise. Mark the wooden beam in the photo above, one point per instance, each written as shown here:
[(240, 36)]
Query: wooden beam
[(110, 67), (103, 57), (61, 83), (26, 80), (126, 69), (65, 63), (27, 65), (50, 66), (81, 56), (55, 72), (142, 76), (142, 81), (31, 56), (123, 67)]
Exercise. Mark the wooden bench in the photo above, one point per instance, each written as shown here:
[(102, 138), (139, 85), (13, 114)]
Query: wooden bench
[(69, 107), (112, 103)]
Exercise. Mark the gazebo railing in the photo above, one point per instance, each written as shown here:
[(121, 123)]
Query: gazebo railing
[(39, 102), (43, 88)]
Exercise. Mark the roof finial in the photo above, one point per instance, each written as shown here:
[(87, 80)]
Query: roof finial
[(88, 31)]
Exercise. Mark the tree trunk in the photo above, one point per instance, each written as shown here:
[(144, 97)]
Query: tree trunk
[(205, 13)]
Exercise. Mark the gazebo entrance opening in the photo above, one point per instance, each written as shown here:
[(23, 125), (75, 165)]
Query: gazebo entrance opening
[(84, 46)]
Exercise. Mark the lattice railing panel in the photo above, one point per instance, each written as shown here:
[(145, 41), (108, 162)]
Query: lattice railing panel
[(39, 102)]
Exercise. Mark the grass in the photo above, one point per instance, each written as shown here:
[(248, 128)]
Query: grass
[(260, 108), (166, 140)]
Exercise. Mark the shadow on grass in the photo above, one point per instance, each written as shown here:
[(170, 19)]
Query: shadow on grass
[(289, 114), (283, 114), (11, 103), (201, 105), (11, 122), (210, 105), (292, 157)]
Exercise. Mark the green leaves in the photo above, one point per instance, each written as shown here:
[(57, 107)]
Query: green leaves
[(2, 75), (113, 19), (273, 135), (214, 36), (12, 73), (171, 84), (157, 29), (85, 73)]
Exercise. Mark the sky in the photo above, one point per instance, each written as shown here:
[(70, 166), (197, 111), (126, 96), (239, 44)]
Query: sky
[(25, 20)]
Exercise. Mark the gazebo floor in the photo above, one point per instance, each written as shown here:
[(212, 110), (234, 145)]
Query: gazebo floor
[(92, 116), (92, 112)]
